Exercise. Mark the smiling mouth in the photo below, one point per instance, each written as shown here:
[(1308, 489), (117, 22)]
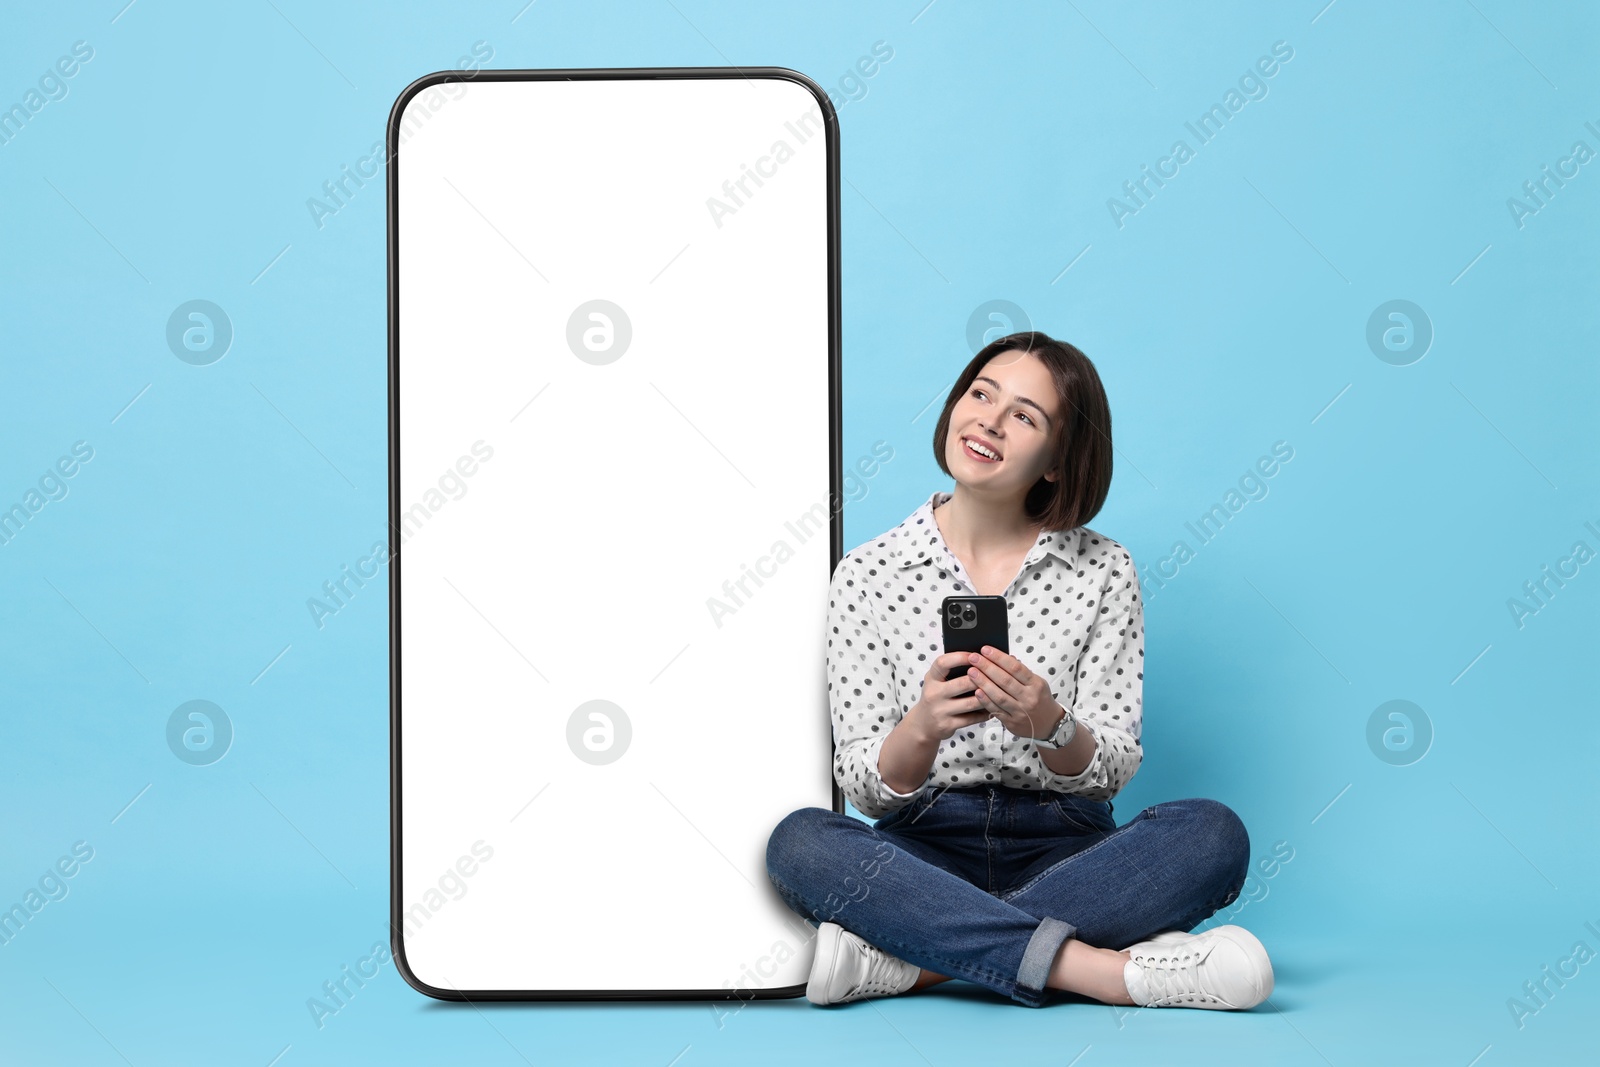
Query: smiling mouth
[(966, 446)]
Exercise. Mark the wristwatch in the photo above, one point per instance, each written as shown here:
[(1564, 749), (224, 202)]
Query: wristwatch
[(1061, 736)]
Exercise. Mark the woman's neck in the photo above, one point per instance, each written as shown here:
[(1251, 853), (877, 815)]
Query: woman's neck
[(980, 530)]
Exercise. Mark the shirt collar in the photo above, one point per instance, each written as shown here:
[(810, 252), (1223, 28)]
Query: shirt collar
[(917, 540)]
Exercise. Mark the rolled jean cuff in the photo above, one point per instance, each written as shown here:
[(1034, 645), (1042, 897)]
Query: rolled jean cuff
[(1038, 958)]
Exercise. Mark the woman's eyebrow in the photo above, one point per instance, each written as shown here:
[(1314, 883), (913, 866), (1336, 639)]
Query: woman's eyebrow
[(1020, 399)]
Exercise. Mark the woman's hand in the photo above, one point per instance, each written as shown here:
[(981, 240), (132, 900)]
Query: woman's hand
[(1020, 699), (947, 704)]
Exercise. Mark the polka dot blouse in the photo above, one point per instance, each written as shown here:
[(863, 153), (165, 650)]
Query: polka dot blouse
[(1076, 619)]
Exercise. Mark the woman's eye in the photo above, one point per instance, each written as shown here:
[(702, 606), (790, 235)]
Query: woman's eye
[(979, 392)]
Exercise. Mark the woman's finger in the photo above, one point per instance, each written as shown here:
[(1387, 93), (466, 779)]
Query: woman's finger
[(999, 676), (989, 694)]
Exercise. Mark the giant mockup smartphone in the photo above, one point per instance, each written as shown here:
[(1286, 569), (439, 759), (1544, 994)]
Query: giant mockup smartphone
[(615, 493)]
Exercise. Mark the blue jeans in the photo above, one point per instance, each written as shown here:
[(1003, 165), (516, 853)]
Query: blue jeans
[(986, 883)]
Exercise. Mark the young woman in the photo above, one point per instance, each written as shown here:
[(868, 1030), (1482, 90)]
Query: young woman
[(994, 856)]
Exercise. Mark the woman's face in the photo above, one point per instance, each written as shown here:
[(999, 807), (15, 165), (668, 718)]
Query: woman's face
[(1012, 410)]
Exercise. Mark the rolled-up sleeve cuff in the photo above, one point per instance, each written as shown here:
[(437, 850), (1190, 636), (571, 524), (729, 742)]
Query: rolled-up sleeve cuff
[(1091, 776), (884, 796)]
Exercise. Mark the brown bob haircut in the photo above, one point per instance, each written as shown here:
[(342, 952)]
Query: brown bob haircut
[(1083, 442)]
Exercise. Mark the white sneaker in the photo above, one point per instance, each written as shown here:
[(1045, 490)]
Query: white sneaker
[(1169, 937), (1224, 967), (847, 968)]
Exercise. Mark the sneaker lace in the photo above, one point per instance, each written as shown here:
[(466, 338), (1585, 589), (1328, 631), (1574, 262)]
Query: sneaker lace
[(885, 974), (1174, 975)]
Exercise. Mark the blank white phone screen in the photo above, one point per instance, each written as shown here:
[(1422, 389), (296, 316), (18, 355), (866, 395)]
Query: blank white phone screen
[(614, 406)]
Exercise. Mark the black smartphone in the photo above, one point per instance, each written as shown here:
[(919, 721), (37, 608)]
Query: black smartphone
[(970, 622)]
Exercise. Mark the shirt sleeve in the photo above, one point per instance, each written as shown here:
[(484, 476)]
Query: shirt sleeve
[(1110, 695), (863, 699)]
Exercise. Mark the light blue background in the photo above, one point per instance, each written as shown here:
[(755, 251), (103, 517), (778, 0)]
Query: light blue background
[(1227, 314)]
